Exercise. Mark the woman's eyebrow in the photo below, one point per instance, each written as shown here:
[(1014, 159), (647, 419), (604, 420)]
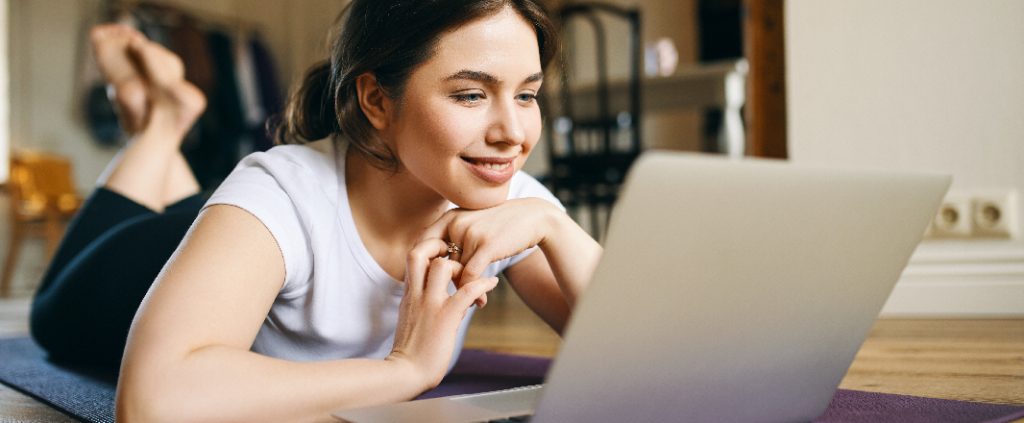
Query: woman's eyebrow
[(488, 78), (474, 76)]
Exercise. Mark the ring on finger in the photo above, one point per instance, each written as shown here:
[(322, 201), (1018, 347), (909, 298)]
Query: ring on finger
[(452, 248)]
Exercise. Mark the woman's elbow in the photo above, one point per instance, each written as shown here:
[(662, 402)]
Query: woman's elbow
[(136, 403), (143, 395)]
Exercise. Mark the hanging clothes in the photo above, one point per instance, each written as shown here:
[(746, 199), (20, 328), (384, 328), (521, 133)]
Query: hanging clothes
[(252, 104), (188, 41), (270, 93), (216, 153)]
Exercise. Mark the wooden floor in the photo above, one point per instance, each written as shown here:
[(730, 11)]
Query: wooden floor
[(962, 359), (968, 360)]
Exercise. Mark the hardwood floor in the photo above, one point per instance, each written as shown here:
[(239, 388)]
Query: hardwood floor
[(507, 325), (962, 359), (14, 317)]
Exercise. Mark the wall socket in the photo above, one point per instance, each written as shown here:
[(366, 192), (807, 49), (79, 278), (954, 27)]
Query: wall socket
[(988, 214)]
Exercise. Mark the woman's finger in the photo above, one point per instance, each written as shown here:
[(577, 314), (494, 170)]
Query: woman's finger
[(418, 261), (454, 251), (459, 282), (438, 277), (454, 274), (469, 293), (475, 263)]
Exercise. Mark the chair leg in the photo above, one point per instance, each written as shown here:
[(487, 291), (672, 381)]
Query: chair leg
[(595, 222), (13, 251), (54, 232)]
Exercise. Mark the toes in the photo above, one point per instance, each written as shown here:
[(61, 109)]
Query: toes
[(110, 45)]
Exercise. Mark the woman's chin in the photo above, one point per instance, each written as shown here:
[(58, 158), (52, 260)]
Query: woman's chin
[(481, 201)]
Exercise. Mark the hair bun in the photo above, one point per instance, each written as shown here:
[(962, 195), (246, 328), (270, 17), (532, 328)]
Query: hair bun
[(310, 115)]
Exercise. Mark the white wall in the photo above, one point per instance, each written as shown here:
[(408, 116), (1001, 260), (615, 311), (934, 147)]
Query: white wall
[(43, 59), (934, 85)]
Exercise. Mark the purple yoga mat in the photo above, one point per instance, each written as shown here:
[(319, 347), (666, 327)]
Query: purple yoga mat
[(873, 407), (480, 371)]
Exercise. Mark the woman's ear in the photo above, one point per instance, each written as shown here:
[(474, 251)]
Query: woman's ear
[(372, 100)]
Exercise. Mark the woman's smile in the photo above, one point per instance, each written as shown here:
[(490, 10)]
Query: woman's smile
[(496, 170)]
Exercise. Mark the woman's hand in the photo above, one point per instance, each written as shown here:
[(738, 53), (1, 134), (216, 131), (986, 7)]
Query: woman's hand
[(489, 235), (428, 318), (549, 280)]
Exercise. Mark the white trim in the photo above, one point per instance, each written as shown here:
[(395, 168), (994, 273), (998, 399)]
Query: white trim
[(982, 283)]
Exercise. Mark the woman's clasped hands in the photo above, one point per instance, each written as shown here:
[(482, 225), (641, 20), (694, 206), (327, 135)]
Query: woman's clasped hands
[(429, 316), (489, 235)]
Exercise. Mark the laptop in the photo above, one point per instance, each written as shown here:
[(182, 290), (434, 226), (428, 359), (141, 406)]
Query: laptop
[(728, 292)]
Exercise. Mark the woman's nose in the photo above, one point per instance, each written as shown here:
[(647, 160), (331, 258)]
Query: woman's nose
[(506, 125)]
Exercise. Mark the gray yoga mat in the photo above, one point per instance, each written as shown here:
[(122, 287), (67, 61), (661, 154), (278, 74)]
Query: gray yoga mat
[(89, 395), (81, 393)]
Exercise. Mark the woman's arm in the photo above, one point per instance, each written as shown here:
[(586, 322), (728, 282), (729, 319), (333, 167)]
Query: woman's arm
[(188, 359), (550, 280)]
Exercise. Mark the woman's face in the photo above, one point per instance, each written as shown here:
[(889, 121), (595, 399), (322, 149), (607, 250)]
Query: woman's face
[(469, 116)]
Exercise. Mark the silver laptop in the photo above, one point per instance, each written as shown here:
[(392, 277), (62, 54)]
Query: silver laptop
[(728, 292)]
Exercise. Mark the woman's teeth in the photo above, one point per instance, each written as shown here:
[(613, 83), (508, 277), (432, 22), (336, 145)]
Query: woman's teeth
[(495, 166)]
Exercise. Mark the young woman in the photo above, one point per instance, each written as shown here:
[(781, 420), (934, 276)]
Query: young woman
[(341, 271)]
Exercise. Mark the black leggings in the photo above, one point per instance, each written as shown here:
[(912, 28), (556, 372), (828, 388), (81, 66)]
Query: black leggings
[(113, 250)]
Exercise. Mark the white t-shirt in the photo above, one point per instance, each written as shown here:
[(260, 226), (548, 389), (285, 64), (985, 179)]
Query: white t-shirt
[(336, 301)]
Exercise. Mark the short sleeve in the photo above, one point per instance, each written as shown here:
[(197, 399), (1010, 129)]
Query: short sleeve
[(255, 186)]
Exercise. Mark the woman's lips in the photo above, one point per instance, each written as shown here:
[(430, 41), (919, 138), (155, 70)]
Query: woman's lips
[(496, 170)]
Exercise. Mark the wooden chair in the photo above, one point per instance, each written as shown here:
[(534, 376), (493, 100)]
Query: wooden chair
[(43, 198)]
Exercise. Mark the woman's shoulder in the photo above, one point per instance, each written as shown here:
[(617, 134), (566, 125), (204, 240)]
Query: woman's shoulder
[(305, 175), (317, 156)]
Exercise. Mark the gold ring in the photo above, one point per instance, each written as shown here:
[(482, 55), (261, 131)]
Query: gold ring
[(453, 249)]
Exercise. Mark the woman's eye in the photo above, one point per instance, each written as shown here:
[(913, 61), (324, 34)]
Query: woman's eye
[(468, 98), (526, 98)]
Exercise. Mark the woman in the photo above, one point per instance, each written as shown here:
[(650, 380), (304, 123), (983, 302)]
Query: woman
[(319, 275)]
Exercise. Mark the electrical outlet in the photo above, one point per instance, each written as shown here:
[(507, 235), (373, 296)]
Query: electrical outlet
[(994, 215), (976, 214), (954, 218)]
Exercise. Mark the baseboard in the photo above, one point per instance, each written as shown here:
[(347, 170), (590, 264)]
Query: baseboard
[(984, 283)]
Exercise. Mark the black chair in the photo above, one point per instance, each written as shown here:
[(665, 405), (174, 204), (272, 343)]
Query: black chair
[(591, 148)]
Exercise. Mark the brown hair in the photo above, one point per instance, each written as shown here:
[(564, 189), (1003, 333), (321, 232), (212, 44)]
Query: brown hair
[(390, 39)]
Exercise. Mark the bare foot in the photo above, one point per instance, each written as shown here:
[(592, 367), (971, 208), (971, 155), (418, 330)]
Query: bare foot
[(157, 107), (121, 71), (172, 100)]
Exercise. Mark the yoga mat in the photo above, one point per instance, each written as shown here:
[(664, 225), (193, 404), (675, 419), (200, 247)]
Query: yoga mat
[(89, 395), (85, 394)]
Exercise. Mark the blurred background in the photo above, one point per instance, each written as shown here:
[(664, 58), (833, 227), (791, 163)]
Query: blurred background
[(918, 85)]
